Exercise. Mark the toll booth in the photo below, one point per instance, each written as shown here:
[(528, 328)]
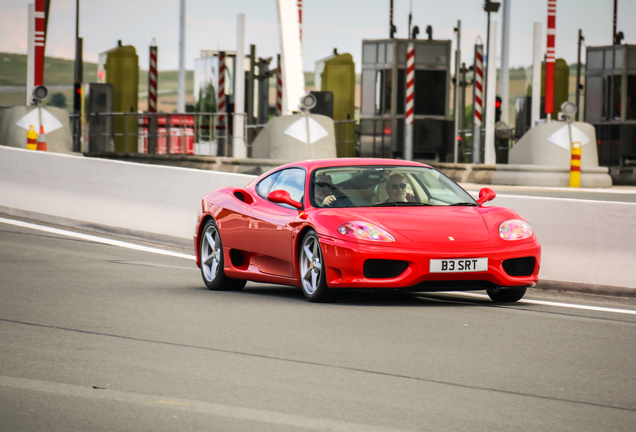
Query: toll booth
[(610, 102), (383, 94)]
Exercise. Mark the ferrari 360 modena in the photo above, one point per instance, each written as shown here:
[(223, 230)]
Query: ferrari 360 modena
[(380, 224)]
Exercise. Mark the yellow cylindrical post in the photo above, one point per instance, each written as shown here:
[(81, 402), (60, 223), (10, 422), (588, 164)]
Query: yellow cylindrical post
[(575, 165), (32, 139)]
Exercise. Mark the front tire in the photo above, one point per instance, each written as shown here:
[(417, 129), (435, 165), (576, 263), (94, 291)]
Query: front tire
[(506, 295), (312, 270), (211, 254)]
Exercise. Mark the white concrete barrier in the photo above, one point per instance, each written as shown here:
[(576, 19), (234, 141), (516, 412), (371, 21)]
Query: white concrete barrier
[(152, 199), (589, 242), (582, 241)]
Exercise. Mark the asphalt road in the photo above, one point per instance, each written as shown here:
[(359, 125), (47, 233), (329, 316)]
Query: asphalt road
[(96, 337)]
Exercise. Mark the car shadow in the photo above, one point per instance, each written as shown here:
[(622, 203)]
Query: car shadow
[(374, 298)]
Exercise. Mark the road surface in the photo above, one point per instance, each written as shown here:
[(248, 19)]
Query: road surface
[(100, 337)]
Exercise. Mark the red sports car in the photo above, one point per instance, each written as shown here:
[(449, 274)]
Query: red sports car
[(323, 225)]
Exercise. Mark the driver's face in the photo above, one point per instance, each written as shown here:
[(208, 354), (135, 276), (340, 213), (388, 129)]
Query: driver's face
[(396, 189), (322, 192)]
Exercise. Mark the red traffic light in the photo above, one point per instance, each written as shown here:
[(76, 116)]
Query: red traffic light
[(498, 102)]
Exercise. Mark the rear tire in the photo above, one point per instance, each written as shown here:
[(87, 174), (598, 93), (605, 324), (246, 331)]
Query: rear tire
[(211, 254), (312, 270), (506, 295)]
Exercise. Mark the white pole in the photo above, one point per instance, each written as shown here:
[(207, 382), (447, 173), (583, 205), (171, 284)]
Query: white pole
[(536, 76), (291, 55), (240, 149), (181, 78), (31, 56), (504, 83), (490, 156)]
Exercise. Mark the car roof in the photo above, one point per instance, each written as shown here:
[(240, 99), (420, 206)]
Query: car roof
[(310, 165)]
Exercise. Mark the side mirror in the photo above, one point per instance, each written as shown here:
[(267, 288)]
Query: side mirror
[(485, 195), (283, 197)]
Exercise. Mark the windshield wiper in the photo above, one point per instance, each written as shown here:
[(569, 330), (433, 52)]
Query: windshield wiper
[(400, 203), (468, 204)]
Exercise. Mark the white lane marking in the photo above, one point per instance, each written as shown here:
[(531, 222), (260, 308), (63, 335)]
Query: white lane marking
[(193, 406), (192, 257), (96, 239), (549, 303)]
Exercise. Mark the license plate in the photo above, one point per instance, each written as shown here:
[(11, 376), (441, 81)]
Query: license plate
[(458, 265)]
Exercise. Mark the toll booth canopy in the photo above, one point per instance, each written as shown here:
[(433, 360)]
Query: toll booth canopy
[(383, 98), (610, 102)]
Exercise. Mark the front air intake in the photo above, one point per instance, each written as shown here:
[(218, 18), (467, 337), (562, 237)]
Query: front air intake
[(519, 266), (383, 269)]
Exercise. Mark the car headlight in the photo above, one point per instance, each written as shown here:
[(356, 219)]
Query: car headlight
[(365, 231), (515, 229)]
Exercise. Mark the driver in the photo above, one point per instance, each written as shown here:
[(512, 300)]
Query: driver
[(396, 189), (322, 190)]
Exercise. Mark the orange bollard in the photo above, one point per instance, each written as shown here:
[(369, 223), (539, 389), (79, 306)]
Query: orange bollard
[(32, 137), (41, 139)]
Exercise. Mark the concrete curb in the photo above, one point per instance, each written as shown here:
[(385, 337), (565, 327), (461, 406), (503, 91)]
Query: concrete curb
[(581, 288)]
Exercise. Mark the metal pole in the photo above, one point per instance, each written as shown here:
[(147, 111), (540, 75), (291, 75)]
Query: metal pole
[(181, 83), (578, 76), (239, 148), (491, 82), (458, 29), (485, 91), (504, 82), (614, 29), (535, 114), (77, 82), (391, 21)]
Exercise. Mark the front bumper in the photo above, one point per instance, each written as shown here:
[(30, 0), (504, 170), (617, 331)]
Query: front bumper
[(344, 262)]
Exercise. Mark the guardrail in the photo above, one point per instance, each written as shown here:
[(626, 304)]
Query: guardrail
[(208, 134)]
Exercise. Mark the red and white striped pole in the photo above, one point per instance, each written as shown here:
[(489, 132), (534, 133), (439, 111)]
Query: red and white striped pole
[(410, 87), (478, 100), (40, 40), (279, 88), (221, 99), (549, 60), (152, 80), (220, 104), (300, 19)]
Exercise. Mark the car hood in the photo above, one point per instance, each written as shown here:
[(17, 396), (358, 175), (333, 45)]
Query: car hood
[(423, 225)]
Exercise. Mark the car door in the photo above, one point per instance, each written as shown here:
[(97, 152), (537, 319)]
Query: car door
[(269, 225)]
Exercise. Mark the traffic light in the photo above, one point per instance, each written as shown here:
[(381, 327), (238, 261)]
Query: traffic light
[(77, 97), (497, 109)]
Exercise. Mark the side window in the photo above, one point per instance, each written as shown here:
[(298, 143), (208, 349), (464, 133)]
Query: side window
[(293, 181), (264, 186)]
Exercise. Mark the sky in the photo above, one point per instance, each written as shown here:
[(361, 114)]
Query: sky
[(327, 24)]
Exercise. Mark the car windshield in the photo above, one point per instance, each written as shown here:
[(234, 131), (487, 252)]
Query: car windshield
[(385, 186)]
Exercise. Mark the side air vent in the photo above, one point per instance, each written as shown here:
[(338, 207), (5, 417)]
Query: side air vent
[(383, 269), (519, 266)]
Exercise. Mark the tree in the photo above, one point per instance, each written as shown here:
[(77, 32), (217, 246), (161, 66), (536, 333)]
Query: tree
[(57, 100), (207, 100)]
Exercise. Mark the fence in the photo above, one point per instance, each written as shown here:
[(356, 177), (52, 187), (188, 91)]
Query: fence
[(207, 134)]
